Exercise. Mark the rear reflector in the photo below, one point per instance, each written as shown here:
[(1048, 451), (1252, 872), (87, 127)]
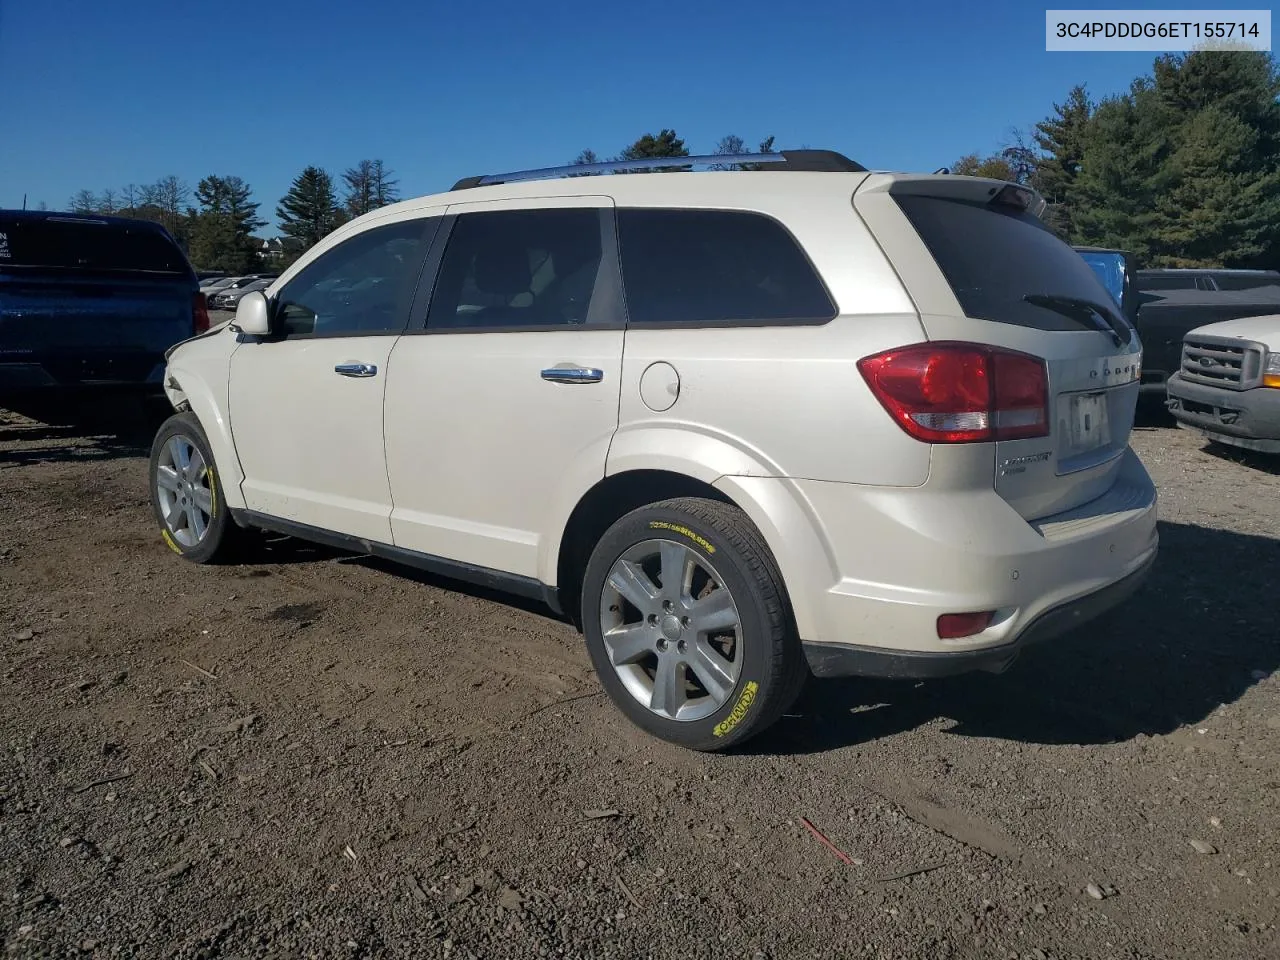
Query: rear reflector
[(199, 313), (953, 626), (951, 392)]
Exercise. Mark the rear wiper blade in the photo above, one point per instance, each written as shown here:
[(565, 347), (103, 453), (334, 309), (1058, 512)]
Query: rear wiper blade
[(1095, 314)]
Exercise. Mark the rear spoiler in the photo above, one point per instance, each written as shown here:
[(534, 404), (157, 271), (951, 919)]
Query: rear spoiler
[(949, 187)]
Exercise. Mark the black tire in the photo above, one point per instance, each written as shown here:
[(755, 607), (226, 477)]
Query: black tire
[(222, 540), (772, 670)]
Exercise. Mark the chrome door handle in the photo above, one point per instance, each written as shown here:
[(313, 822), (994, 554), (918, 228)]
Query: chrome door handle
[(572, 375), (356, 369)]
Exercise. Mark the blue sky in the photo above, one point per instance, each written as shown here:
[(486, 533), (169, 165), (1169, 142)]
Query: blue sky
[(102, 94)]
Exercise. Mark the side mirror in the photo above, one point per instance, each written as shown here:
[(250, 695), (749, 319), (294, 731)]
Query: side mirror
[(252, 315)]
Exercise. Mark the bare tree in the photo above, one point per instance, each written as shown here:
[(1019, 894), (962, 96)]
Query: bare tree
[(172, 196), (130, 197), (83, 201), (386, 189), (728, 146), (107, 202), (585, 157), (368, 186)]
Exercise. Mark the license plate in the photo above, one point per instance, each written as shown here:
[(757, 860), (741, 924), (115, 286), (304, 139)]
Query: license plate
[(1088, 422)]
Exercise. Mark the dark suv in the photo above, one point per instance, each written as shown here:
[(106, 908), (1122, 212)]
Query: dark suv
[(90, 302)]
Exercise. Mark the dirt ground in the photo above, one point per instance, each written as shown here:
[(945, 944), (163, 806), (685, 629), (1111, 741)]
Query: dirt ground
[(317, 755)]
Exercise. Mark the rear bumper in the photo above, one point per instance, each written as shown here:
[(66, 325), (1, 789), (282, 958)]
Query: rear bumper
[(1243, 418), (869, 570), (844, 660)]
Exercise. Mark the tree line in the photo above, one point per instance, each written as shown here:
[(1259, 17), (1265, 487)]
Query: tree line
[(215, 223), (1182, 169), (665, 143)]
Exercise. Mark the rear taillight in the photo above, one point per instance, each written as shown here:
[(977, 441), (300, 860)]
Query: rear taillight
[(949, 392), (199, 313)]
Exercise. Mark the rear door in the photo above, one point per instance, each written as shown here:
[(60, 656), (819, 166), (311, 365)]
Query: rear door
[(88, 300), (983, 268)]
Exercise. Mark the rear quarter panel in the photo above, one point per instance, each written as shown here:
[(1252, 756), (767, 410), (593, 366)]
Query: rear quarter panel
[(784, 400)]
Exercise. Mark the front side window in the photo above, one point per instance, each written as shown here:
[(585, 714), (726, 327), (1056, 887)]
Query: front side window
[(716, 266), (362, 286), (519, 269)]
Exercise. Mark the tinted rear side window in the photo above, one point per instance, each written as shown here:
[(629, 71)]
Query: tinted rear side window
[(995, 257), (520, 269), (714, 266), (91, 246)]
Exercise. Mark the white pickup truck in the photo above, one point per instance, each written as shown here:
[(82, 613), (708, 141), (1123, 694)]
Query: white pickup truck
[(1228, 384)]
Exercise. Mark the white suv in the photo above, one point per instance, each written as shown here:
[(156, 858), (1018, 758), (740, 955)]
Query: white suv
[(740, 426)]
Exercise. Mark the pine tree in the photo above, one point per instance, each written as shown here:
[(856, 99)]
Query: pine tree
[(665, 144), (1184, 169), (1219, 196), (1111, 202), (309, 212), (222, 231), (1062, 137)]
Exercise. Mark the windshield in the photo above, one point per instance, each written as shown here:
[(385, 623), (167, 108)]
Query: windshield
[(89, 246), (995, 258)]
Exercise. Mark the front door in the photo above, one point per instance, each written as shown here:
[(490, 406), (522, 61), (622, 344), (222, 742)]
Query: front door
[(306, 403), (507, 398)]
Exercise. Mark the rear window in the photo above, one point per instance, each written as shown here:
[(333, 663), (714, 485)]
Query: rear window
[(995, 257), (91, 246), (716, 266)]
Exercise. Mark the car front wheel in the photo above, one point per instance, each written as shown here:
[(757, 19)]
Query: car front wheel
[(186, 496)]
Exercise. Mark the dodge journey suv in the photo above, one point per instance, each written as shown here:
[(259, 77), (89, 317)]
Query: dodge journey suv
[(740, 427)]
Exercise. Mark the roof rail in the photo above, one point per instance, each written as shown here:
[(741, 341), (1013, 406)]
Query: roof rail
[(824, 161)]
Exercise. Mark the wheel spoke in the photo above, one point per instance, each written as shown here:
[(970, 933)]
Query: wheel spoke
[(175, 516), (711, 668), (204, 500), (196, 521), (634, 585), (180, 453), (713, 612), (195, 466), (167, 478), (628, 644), (677, 569), (668, 687)]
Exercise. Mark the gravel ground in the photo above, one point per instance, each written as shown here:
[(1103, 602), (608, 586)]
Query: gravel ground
[(317, 755)]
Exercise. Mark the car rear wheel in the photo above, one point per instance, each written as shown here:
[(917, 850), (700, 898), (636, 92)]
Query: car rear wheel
[(186, 496), (688, 626)]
